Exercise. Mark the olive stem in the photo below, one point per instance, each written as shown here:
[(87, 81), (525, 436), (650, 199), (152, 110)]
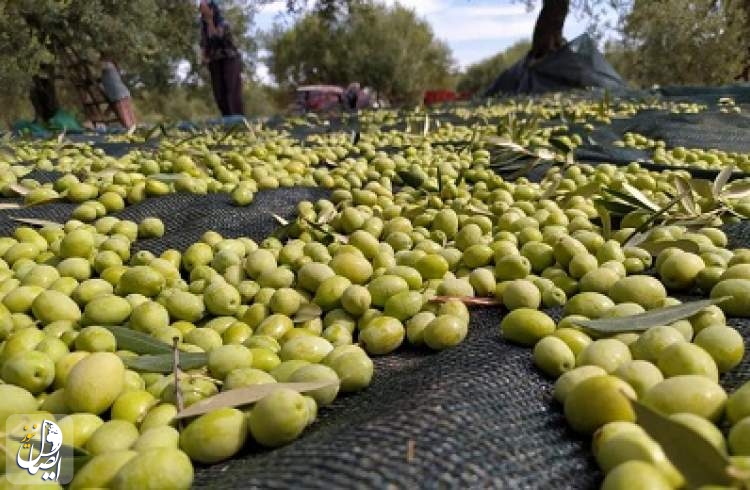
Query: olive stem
[(177, 374)]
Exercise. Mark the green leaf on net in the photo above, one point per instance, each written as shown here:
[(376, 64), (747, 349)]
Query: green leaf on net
[(651, 318), (138, 342), (650, 221), (248, 395), (654, 248), (699, 461), (686, 195), (640, 197), (736, 190), (163, 363), (615, 207), (721, 180), (606, 221)]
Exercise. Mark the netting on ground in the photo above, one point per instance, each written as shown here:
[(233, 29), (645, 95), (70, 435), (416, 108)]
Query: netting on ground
[(476, 416)]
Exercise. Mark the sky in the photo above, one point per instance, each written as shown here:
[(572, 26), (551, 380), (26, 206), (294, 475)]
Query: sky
[(474, 29)]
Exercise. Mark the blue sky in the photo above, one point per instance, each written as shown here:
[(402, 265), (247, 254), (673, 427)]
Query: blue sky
[(474, 29)]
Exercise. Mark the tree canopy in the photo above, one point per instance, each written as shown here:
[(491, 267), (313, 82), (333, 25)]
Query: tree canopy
[(387, 48), (695, 42), (480, 75)]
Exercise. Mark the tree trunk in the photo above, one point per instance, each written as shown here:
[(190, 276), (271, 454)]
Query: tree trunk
[(549, 28), (44, 95)]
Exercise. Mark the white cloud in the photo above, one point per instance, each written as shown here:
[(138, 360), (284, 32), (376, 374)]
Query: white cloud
[(423, 7), (483, 29), (276, 7), (494, 11)]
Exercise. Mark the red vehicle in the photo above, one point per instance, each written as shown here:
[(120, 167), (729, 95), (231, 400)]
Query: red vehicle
[(318, 98), (441, 96)]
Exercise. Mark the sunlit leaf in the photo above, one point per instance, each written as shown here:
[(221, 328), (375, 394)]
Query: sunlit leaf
[(280, 220), (646, 320), (736, 190), (606, 221), (699, 461), (654, 248), (686, 195), (163, 363), (36, 222), (248, 395), (138, 342), (640, 197), (721, 180)]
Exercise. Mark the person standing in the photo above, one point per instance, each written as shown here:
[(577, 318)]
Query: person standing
[(223, 59), (117, 93)]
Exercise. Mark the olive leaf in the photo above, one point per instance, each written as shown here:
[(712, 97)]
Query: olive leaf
[(721, 180), (614, 207), (624, 199), (686, 195), (281, 221), (19, 189), (138, 342), (166, 178), (36, 222), (737, 190), (307, 312), (646, 224), (643, 321), (10, 205), (654, 248), (248, 395), (545, 154), (551, 190), (476, 210), (467, 300), (164, 363), (640, 197), (699, 461), (606, 221)]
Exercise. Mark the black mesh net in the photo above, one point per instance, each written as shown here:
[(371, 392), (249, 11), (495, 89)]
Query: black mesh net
[(476, 416)]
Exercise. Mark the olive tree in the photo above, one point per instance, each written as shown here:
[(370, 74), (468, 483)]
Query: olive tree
[(387, 48)]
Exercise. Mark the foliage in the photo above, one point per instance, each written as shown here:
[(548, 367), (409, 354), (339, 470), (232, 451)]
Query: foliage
[(386, 48), (480, 75), (699, 42), (135, 32), (148, 39), (195, 103)]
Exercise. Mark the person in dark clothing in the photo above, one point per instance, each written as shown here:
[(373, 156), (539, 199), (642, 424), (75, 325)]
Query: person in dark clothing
[(43, 94), (223, 59)]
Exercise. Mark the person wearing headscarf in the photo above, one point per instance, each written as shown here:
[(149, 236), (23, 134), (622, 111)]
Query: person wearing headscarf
[(223, 59)]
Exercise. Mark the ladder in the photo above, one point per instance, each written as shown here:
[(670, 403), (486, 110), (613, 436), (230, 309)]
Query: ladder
[(96, 107)]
